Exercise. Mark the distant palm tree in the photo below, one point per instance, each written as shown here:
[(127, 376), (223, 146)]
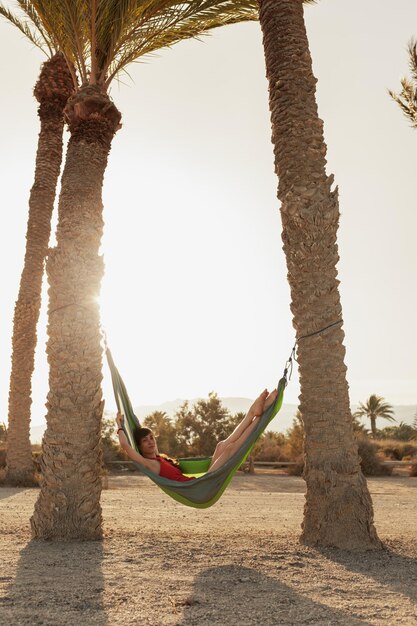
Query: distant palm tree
[(407, 99), (99, 38), (373, 408), (337, 495), (52, 90)]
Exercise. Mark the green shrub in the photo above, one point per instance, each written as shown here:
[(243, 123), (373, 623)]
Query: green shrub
[(402, 432)]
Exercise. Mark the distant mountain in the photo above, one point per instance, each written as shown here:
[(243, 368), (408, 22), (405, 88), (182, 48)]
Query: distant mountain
[(283, 421)]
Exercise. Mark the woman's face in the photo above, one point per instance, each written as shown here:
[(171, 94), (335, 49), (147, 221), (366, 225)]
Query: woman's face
[(148, 445)]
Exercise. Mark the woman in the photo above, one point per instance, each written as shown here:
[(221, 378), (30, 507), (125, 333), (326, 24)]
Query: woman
[(149, 457)]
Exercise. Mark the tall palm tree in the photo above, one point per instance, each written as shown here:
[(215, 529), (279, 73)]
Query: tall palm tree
[(375, 407), (338, 508), (407, 99), (52, 90), (99, 38)]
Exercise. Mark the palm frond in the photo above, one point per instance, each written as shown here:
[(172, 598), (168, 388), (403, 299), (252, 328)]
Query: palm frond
[(113, 18), (407, 98), (35, 35), (101, 37), (75, 20), (28, 9), (65, 22), (412, 51), (162, 23)]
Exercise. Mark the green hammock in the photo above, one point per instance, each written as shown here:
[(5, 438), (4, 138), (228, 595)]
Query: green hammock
[(207, 488)]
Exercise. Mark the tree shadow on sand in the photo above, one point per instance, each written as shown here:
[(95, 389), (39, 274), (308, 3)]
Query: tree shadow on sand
[(394, 571), (56, 584), (8, 492), (241, 596)]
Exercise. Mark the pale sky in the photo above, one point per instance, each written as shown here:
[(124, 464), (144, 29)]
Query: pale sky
[(195, 296)]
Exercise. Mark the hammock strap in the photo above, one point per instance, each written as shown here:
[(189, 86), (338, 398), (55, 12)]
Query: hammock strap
[(289, 364)]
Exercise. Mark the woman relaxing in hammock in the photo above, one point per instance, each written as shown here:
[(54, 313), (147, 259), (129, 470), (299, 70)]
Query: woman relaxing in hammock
[(168, 468)]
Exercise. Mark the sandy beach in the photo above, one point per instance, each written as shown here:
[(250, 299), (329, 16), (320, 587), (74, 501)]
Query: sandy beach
[(238, 563)]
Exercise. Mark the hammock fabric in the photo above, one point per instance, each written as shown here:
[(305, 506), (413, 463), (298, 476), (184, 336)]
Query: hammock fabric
[(207, 488)]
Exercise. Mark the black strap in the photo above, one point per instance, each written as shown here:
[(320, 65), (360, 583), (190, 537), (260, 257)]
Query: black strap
[(289, 364)]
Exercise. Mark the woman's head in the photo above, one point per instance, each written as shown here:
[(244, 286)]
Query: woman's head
[(145, 441)]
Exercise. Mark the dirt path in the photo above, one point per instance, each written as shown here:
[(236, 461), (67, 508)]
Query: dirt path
[(238, 563)]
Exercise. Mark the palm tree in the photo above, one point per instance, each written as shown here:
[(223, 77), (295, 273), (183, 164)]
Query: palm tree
[(375, 407), (337, 495), (99, 38), (52, 91), (407, 99)]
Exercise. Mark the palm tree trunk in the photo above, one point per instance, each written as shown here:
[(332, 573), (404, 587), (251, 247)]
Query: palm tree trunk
[(338, 509), (52, 92), (68, 506), (373, 426)]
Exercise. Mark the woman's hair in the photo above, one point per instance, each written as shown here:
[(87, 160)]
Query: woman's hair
[(140, 433)]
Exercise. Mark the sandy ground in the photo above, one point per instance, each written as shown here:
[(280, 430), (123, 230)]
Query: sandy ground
[(238, 563)]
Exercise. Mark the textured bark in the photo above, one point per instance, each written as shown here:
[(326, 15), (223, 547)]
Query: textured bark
[(338, 510), (52, 92), (68, 506)]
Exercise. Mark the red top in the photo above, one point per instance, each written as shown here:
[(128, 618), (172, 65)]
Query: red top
[(168, 470)]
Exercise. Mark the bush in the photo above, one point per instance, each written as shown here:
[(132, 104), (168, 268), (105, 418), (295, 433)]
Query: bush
[(3, 432), (297, 469), (110, 447), (396, 450), (370, 462), (293, 448), (270, 447), (402, 432)]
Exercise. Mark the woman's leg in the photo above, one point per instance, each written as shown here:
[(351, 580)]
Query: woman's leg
[(226, 448), (255, 410)]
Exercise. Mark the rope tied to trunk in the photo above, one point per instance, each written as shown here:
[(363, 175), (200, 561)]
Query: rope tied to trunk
[(289, 364)]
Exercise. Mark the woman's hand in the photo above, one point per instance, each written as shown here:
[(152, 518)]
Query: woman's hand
[(119, 420)]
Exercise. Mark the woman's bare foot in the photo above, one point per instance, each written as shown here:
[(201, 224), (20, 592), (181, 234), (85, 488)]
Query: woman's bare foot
[(262, 403)]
